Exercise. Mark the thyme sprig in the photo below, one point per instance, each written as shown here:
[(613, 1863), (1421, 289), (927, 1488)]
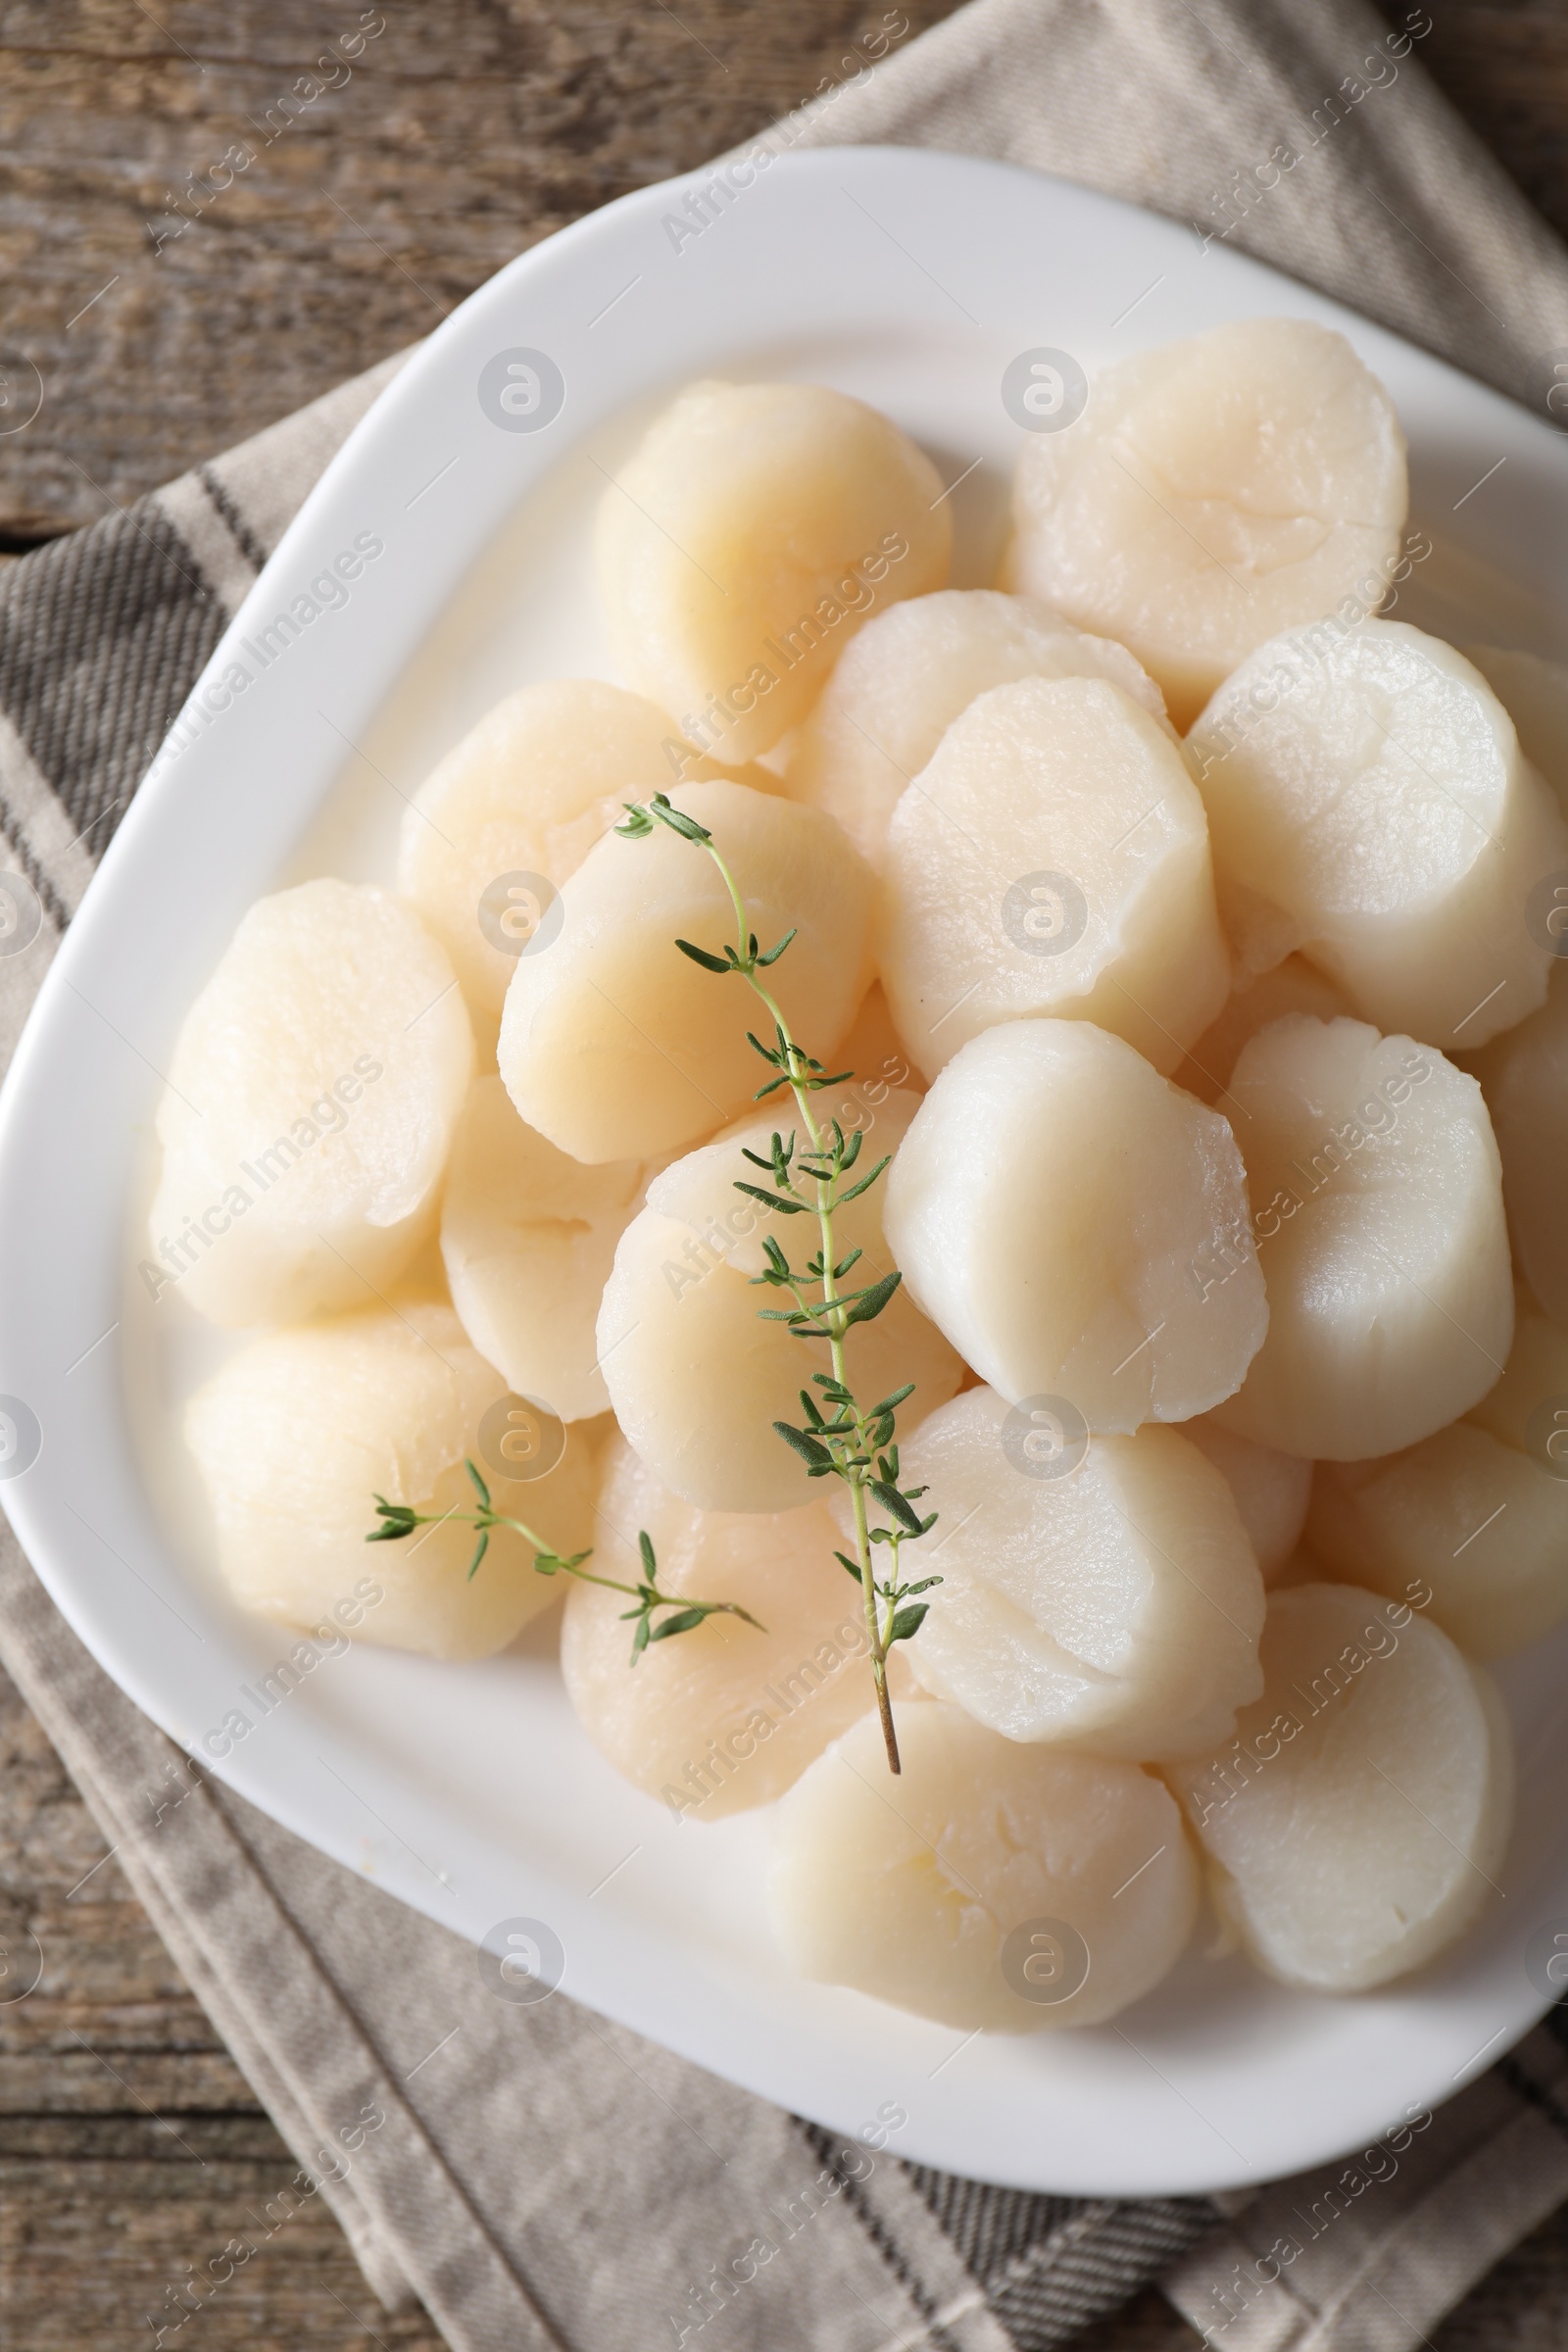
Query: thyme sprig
[(400, 1519), (836, 1437)]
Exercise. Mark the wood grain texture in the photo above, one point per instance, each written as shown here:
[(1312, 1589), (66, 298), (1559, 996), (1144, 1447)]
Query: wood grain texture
[(457, 137), (132, 2149)]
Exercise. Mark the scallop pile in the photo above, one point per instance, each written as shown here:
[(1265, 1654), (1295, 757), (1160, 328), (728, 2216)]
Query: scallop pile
[(1189, 930)]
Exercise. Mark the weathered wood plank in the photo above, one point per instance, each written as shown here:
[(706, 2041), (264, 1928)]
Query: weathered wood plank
[(132, 2150), (454, 138), (101, 2253)]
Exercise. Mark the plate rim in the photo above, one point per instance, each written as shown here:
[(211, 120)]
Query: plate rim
[(160, 795)]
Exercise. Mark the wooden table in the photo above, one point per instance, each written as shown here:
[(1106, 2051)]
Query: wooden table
[(458, 135), (130, 2145)]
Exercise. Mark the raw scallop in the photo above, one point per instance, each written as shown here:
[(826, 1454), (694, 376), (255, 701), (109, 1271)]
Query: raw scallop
[(1052, 858), (911, 672), (722, 1718), (1293, 986), (1078, 1228), (1216, 491), (695, 1375), (296, 1434), (1478, 1513), (1114, 1607), (528, 1237), (747, 538), (1272, 1491), (1377, 1206), (1356, 1823), (1524, 1072), (991, 1885), (521, 799), (1368, 786), (613, 1044), (1524, 1077), (309, 1107)]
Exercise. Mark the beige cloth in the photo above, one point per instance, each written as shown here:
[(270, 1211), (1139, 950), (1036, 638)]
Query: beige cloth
[(538, 2176)]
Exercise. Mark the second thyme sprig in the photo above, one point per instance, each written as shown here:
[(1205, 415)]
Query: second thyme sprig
[(400, 1519), (836, 1438)]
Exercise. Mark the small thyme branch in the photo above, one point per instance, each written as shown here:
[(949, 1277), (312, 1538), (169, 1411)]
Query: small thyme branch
[(836, 1438), (399, 1519)]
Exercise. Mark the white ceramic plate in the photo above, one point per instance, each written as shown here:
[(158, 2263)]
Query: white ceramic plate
[(912, 279)]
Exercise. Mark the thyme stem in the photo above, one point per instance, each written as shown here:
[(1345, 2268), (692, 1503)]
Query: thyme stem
[(851, 1442), (399, 1519), (797, 1067)]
